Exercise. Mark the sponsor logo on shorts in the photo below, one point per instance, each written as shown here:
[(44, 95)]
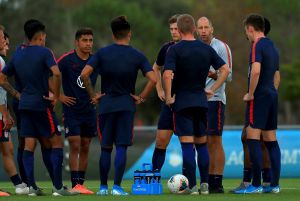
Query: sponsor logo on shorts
[(6, 134)]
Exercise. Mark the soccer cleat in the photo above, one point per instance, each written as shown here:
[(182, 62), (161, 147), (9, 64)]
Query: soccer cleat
[(22, 189), (269, 189), (82, 189), (204, 189), (3, 193), (64, 191), (191, 191), (35, 192), (216, 189), (242, 186), (103, 190), (118, 190), (250, 190)]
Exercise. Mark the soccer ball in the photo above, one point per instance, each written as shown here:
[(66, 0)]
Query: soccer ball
[(178, 184)]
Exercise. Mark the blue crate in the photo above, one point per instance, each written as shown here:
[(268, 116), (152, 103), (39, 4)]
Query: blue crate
[(147, 181)]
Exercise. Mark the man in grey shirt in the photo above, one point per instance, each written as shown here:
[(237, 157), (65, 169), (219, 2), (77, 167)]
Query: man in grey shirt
[(6, 123), (216, 107)]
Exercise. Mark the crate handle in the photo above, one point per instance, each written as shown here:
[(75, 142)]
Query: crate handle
[(147, 164)]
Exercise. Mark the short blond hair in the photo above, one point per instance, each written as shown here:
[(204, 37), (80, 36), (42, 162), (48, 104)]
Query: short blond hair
[(186, 23)]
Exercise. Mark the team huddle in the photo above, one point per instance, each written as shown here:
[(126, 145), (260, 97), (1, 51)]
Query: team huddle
[(190, 75)]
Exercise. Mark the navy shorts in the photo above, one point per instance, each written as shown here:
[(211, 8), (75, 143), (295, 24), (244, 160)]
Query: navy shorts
[(261, 113), (81, 125), (190, 122), (4, 134), (116, 128), (215, 118), (39, 123), (165, 121)]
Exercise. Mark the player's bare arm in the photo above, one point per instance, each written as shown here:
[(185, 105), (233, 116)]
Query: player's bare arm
[(148, 88), (168, 76), (85, 77), (7, 86), (159, 88), (223, 74), (254, 77), (7, 119), (277, 79), (213, 75), (56, 81)]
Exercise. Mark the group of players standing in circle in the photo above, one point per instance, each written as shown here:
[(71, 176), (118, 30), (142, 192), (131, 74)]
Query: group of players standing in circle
[(190, 76)]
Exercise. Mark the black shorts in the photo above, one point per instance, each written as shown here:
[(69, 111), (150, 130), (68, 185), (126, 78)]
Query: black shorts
[(190, 122), (39, 123), (165, 121), (261, 113), (81, 125), (215, 118), (116, 128)]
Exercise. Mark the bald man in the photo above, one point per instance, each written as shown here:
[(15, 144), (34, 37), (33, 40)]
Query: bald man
[(216, 107)]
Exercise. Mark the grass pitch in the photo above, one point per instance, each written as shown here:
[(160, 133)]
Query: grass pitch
[(290, 191)]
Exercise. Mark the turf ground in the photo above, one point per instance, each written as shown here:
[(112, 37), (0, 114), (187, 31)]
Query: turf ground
[(290, 192)]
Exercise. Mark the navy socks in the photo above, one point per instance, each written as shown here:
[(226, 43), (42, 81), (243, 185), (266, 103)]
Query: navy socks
[(275, 158), (158, 158), (57, 161), (28, 161), (203, 161), (104, 165), (120, 164), (256, 160), (189, 163)]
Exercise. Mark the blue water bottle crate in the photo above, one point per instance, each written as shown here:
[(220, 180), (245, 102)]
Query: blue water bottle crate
[(147, 181)]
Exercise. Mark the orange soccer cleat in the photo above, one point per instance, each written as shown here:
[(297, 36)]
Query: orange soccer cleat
[(3, 193), (82, 189)]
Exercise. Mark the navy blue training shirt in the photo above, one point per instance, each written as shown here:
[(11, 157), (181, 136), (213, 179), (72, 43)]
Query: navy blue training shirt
[(17, 84), (31, 67), (190, 61), (118, 66), (264, 52), (161, 57), (71, 65)]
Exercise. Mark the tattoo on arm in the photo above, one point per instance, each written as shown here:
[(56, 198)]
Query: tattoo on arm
[(11, 90), (88, 86)]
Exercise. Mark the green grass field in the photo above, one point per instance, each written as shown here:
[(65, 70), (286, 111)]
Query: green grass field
[(290, 191)]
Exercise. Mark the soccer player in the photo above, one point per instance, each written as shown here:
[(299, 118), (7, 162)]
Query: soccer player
[(2, 63), (118, 65), (21, 140), (216, 107), (247, 170), (31, 67), (262, 103), (7, 122), (165, 123), (190, 61), (79, 114)]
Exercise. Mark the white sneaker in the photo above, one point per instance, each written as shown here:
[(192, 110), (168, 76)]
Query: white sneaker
[(192, 191), (204, 189), (22, 189)]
